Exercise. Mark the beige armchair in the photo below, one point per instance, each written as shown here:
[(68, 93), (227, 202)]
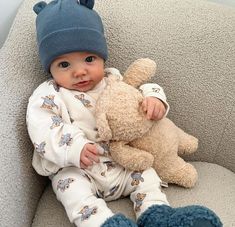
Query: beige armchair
[(193, 43)]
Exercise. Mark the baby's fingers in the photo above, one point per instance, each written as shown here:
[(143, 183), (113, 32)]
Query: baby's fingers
[(160, 114), (144, 105), (83, 166), (151, 112), (86, 161), (93, 157)]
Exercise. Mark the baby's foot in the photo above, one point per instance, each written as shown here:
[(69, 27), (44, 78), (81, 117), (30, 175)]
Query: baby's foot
[(191, 216)]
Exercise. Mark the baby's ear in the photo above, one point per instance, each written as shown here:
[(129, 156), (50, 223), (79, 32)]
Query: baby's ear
[(88, 3), (39, 7)]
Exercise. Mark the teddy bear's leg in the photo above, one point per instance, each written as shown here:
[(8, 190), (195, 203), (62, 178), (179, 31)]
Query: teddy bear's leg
[(187, 144), (176, 171), (162, 142), (130, 157), (181, 173)]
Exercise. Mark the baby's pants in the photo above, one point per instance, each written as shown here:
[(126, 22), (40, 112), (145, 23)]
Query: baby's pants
[(83, 192)]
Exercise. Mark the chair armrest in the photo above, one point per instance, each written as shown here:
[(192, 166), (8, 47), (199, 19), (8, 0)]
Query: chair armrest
[(20, 186)]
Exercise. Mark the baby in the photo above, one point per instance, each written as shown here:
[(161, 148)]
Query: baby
[(62, 127)]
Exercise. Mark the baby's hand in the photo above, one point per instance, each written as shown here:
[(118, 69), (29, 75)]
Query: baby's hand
[(89, 155), (154, 108)]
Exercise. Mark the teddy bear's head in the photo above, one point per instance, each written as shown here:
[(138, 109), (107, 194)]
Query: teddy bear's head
[(119, 115)]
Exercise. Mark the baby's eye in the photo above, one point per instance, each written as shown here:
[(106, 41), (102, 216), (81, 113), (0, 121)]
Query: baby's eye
[(63, 64), (90, 59)]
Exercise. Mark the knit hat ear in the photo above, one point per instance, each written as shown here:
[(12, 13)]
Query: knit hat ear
[(39, 7), (88, 3)]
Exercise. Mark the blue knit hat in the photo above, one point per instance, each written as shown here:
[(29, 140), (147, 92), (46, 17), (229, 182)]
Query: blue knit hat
[(65, 26)]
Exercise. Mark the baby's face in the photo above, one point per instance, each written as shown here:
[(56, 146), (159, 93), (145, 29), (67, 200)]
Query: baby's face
[(80, 71)]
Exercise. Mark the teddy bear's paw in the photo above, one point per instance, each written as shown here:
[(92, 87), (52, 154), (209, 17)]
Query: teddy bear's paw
[(140, 162), (186, 176), (145, 161), (188, 146)]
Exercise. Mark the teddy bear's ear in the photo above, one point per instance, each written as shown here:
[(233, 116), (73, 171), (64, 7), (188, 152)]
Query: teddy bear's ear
[(139, 72), (104, 131)]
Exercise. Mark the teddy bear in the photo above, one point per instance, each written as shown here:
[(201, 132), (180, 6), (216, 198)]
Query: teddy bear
[(135, 142)]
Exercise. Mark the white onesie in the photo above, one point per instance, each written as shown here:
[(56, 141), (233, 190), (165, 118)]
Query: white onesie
[(60, 122)]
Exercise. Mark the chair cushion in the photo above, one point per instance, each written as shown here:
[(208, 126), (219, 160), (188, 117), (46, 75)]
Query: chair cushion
[(215, 189)]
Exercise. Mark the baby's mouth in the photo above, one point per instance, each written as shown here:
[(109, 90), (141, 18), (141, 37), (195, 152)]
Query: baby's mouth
[(82, 83)]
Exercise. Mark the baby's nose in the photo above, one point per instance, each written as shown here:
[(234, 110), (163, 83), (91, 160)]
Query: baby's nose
[(80, 71)]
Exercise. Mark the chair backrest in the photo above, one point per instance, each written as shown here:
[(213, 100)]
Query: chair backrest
[(193, 43)]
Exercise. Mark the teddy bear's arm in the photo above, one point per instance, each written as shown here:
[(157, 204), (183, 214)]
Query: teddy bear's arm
[(104, 131), (130, 157)]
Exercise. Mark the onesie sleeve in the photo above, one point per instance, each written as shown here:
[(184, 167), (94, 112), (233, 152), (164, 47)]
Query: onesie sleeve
[(51, 130), (154, 90)]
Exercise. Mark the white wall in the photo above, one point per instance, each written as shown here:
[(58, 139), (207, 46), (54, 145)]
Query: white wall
[(225, 2), (8, 9)]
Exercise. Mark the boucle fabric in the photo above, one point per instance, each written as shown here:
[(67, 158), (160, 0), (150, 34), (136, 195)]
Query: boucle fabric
[(193, 43), (211, 176)]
